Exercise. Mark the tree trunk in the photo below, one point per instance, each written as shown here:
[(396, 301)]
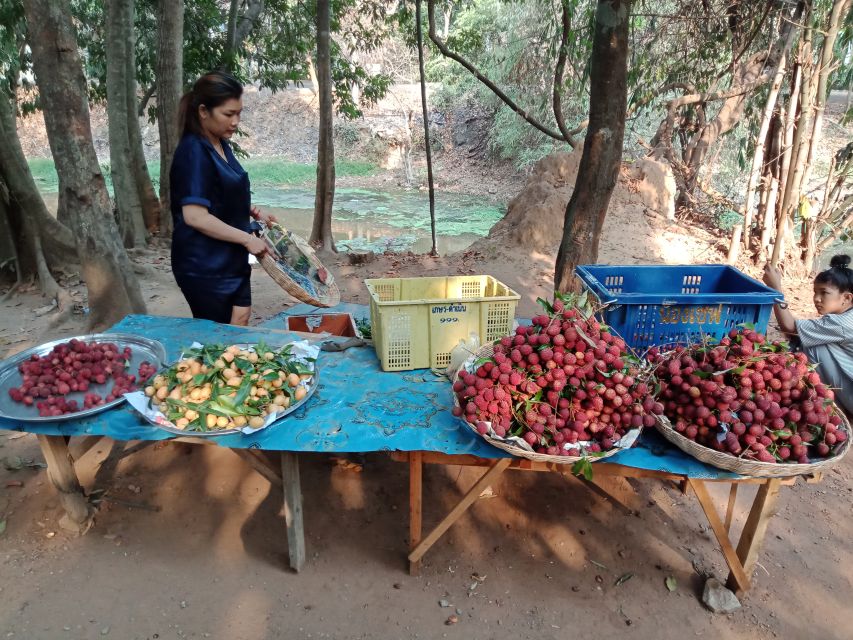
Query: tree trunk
[(112, 286), (231, 34), (749, 72), (602, 148), (130, 221), (771, 178), (799, 145), (57, 239), (312, 74), (141, 178), (839, 8), (790, 122), (321, 231), (239, 27), (758, 157), (422, 73), (170, 83)]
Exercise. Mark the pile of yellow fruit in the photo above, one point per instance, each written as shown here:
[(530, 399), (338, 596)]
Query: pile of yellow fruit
[(218, 387)]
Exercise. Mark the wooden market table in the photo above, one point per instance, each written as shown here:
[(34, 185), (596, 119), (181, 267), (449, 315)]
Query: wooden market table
[(359, 408), (741, 557)]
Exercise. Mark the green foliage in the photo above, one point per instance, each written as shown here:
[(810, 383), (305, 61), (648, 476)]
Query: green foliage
[(275, 53), (515, 45)]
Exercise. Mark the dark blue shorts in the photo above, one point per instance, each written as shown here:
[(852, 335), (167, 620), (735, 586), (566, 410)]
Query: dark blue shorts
[(214, 298)]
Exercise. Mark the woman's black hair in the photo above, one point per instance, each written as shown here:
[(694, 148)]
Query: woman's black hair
[(210, 90), (839, 274)]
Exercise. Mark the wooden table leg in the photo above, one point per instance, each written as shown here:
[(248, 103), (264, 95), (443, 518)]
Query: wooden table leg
[(416, 470), (754, 530), (473, 493), (293, 509), (730, 509), (60, 470), (738, 575)]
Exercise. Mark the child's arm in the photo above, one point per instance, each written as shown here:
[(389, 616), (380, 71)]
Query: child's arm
[(787, 321)]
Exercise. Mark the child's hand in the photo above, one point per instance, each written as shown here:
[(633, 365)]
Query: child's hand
[(772, 277)]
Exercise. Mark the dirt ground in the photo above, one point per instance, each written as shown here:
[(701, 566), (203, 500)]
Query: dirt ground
[(195, 547)]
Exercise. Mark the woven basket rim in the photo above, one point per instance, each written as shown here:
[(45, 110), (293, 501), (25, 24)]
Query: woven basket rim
[(271, 266), (488, 351), (752, 468)]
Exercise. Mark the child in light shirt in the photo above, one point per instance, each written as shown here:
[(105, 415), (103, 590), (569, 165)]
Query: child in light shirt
[(827, 340)]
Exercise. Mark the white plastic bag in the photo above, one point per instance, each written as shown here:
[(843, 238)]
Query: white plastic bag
[(461, 352)]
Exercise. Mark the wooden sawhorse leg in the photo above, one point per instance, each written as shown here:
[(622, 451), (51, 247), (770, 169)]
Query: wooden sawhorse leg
[(293, 509), (416, 471), (286, 477), (742, 560), (467, 500), (60, 470)]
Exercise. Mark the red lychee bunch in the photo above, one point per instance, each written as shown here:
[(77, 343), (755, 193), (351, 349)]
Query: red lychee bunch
[(565, 384), (749, 398), (47, 381)]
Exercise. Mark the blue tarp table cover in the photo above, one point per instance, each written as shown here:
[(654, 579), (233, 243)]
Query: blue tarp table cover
[(356, 408)]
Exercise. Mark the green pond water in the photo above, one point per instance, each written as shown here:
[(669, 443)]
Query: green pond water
[(363, 219)]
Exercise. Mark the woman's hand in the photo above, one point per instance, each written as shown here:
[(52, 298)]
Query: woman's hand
[(772, 277), (266, 218), (255, 245)]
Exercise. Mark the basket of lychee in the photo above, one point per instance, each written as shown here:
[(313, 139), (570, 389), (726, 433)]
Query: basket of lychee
[(562, 389), (750, 406)]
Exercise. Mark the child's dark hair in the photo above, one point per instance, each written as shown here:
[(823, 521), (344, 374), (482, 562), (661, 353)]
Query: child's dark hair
[(210, 90), (839, 274)]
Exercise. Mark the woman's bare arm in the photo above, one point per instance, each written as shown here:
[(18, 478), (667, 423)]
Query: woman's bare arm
[(200, 219)]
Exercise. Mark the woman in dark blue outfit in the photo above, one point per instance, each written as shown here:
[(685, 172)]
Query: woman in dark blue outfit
[(211, 205)]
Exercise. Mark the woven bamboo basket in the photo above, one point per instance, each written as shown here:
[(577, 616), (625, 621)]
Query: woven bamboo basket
[(487, 352), (747, 467), (327, 294)]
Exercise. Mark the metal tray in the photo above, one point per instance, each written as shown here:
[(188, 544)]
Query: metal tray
[(227, 432), (141, 349)]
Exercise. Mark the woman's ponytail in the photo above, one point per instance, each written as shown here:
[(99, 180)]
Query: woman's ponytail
[(839, 274), (187, 115)]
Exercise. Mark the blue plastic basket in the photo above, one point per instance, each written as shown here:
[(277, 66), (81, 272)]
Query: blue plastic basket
[(652, 305)]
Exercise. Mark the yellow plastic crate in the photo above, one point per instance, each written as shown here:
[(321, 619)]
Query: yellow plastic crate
[(416, 322)]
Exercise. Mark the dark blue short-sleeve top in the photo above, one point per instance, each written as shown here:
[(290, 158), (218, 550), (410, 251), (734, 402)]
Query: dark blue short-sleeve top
[(200, 176)]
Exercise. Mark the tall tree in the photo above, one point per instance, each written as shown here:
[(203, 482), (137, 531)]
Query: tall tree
[(321, 230), (425, 110), (41, 243), (119, 24), (169, 74), (139, 167), (113, 289), (602, 148)]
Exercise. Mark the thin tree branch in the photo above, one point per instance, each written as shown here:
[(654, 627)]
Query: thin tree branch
[(839, 229), (446, 52), (146, 98), (558, 76)]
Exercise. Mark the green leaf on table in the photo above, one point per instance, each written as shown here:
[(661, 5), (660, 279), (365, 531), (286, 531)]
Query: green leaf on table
[(583, 467), (670, 583), (2, 527)]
